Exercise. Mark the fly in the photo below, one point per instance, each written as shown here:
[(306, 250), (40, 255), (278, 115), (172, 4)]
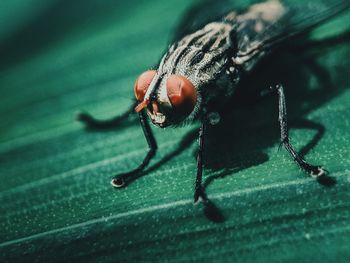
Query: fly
[(205, 65)]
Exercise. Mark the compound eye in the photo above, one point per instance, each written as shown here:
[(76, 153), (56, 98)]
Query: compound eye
[(142, 83), (182, 94)]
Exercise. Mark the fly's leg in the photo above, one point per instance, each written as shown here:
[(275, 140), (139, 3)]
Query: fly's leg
[(312, 170), (199, 194), (93, 123), (120, 179)]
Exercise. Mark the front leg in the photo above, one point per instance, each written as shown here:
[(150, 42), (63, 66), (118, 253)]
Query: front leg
[(120, 179), (95, 124), (199, 194)]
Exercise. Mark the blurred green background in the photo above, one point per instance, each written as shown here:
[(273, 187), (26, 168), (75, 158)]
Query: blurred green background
[(57, 204)]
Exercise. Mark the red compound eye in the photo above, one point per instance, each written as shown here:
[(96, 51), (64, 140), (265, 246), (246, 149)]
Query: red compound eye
[(142, 84), (182, 94)]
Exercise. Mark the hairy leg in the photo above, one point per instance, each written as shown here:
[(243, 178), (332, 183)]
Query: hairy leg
[(120, 179), (199, 194), (312, 170)]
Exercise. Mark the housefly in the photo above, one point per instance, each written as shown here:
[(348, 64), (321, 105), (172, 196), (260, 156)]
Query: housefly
[(204, 66)]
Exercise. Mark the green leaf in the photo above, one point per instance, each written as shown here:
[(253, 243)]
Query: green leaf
[(57, 203)]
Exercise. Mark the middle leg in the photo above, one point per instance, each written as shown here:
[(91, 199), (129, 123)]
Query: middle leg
[(199, 194)]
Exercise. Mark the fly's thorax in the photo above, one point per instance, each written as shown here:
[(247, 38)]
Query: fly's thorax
[(220, 92), (202, 55)]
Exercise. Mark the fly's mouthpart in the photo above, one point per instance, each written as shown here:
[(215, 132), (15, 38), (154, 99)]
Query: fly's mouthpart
[(158, 118), (141, 105), (159, 111)]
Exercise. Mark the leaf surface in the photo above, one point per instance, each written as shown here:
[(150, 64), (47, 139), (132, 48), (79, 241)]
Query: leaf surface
[(56, 200)]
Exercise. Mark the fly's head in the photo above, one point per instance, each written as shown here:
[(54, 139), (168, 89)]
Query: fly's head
[(167, 98), (171, 94)]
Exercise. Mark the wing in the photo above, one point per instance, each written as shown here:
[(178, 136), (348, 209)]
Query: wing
[(199, 14), (269, 23)]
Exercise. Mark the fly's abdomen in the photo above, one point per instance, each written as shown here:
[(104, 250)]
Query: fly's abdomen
[(265, 25)]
